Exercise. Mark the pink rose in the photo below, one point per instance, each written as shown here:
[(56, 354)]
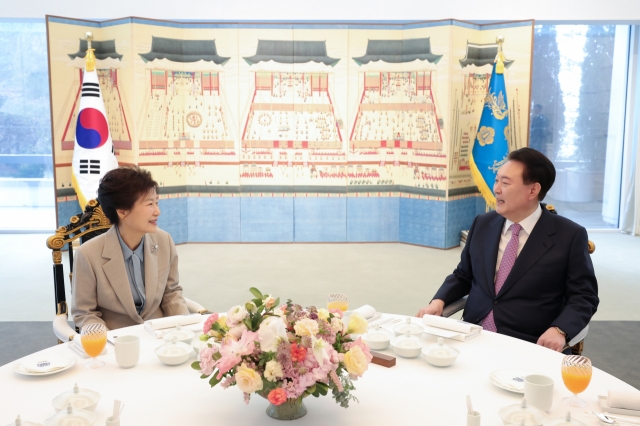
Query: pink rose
[(209, 322)]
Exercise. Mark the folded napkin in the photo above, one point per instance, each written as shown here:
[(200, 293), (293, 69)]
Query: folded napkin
[(450, 328), (76, 346), (43, 364), (156, 326), (368, 312), (628, 400)]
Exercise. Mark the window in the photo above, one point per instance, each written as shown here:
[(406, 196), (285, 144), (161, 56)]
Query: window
[(26, 174), (578, 94)]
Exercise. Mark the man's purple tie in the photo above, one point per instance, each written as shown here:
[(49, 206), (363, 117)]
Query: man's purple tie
[(508, 259)]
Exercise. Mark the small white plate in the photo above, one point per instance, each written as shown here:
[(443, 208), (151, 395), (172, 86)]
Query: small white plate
[(604, 405), (17, 367), (509, 378)]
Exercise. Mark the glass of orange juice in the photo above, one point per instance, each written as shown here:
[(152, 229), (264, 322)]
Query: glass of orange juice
[(338, 301), (576, 375), (94, 338)]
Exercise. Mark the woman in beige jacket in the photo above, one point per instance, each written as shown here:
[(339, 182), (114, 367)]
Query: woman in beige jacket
[(130, 273)]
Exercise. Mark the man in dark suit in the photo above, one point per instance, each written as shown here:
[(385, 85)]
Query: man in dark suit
[(528, 272)]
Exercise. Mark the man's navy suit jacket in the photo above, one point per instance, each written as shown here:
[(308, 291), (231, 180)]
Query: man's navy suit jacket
[(552, 282)]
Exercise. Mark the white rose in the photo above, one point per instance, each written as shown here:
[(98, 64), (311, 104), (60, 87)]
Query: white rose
[(336, 324), (273, 371), (248, 379), (278, 311), (272, 330), (237, 331), (306, 327), (323, 313), (236, 315)]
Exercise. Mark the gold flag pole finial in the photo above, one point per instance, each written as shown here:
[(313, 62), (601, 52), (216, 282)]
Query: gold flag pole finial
[(90, 58), (500, 56)]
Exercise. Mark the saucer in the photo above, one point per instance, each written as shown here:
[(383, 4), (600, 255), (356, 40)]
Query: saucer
[(20, 369), (510, 379)]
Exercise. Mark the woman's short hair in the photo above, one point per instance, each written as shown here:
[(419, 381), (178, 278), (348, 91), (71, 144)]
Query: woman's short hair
[(120, 189), (537, 168)]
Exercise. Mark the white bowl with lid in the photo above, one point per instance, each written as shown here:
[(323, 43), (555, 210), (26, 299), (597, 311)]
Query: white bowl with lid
[(440, 354), (174, 352), (181, 335), (522, 414), (566, 420), (20, 422), (413, 329), (407, 346), (377, 338), (77, 398), (72, 417)]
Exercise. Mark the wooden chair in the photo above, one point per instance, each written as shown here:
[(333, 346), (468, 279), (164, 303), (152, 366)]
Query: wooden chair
[(576, 344), (83, 227)]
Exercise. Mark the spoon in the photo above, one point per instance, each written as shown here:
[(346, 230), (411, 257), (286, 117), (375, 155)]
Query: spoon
[(612, 420)]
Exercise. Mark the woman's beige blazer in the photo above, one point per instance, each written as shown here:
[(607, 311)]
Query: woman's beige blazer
[(100, 287)]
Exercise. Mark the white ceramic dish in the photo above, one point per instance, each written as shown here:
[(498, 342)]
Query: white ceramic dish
[(522, 414), (72, 417), (174, 353), (604, 405), (378, 339), (440, 354), (407, 326), (510, 379), (20, 422), (182, 335), (17, 367), (78, 398), (407, 346), (198, 345)]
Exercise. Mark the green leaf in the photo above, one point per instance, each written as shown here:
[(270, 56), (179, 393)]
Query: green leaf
[(255, 322), (256, 292), (196, 365), (214, 381), (258, 302), (277, 302), (247, 322), (204, 376)]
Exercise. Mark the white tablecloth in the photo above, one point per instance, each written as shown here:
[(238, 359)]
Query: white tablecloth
[(411, 393)]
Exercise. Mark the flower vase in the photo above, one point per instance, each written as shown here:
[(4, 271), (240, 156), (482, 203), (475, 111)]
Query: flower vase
[(291, 409)]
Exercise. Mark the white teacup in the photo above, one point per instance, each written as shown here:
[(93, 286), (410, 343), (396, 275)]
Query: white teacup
[(538, 391), (127, 350)]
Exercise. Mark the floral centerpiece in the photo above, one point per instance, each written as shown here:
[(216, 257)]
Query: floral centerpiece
[(284, 353)]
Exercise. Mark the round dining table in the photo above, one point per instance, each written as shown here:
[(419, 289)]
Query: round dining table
[(412, 392)]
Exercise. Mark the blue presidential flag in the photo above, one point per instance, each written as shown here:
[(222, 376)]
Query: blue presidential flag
[(491, 145)]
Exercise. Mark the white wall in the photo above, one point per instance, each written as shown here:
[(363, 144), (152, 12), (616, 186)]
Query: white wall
[(623, 11)]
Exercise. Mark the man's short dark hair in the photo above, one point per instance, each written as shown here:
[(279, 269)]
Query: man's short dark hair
[(537, 168), (121, 188)]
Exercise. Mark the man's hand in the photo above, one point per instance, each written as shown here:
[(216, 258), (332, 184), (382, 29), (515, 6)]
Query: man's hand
[(434, 308), (553, 339)]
